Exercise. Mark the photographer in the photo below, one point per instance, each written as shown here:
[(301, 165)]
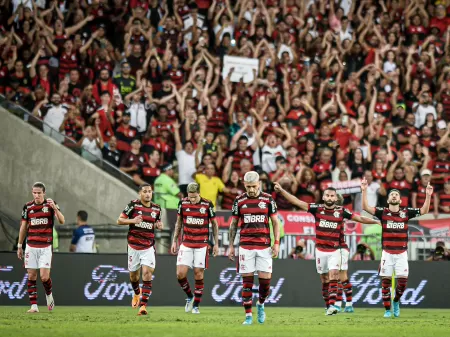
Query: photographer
[(363, 253), (297, 252), (440, 253)]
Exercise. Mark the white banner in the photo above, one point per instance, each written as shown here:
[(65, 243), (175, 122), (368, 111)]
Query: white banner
[(243, 68)]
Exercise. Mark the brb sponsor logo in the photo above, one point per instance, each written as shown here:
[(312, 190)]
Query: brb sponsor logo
[(253, 218), (194, 221), (110, 283), (367, 289), (395, 225), (146, 225), (328, 224), (42, 221), (230, 288)]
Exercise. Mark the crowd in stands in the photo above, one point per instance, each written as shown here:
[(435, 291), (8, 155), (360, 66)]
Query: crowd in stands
[(344, 89)]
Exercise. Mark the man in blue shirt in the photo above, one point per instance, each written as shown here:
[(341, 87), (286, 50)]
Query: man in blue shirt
[(83, 240)]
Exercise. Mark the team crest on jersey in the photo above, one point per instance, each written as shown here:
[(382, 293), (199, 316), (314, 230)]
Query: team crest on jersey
[(244, 206), (336, 214), (262, 205), (153, 215), (31, 212), (402, 215), (45, 209), (202, 210), (139, 212)]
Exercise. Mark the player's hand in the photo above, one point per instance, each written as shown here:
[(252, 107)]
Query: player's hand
[(159, 225), (275, 250), (51, 203), (20, 253), (277, 187), (215, 250), (138, 219), (231, 253), (174, 249), (364, 184), (429, 189)]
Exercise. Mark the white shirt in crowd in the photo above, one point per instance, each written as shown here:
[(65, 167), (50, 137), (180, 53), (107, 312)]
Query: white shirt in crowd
[(372, 196), (389, 67), (92, 148), (268, 157), (140, 115), (422, 112), (186, 164), (55, 115)]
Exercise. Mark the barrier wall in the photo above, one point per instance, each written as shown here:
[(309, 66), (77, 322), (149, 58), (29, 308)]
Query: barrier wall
[(73, 182), (83, 279)]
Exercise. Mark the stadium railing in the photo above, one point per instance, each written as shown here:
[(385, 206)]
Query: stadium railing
[(28, 117)]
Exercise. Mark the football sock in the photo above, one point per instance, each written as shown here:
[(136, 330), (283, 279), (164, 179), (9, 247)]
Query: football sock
[(348, 289), (32, 291), (400, 288), (198, 292), (339, 295), (184, 284), (333, 291), (264, 289), (325, 293), (48, 286), (247, 285), (135, 286), (146, 292), (386, 292)]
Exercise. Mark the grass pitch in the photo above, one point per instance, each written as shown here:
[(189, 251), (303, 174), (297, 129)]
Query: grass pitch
[(218, 321)]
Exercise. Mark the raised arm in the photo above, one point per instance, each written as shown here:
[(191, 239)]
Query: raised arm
[(365, 203), (289, 197), (426, 205)]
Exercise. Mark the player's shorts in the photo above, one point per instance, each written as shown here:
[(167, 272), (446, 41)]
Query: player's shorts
[(251, 260), (344, 259), (37, 258), (394, 262), (326, 261), (138, 258), (193, 257)]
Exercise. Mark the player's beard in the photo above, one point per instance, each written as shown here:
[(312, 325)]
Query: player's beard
[(330, 203), (394, 203)]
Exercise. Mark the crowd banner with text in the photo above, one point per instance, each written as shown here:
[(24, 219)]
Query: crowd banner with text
[(103, 279), (243, 68), (344, 187)]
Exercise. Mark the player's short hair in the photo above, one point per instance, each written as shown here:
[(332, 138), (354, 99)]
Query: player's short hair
[(193, 188), (340, 200), (251, 177), (141, 187), (393, 190), (83, 215), (38, 184), (330, 189)]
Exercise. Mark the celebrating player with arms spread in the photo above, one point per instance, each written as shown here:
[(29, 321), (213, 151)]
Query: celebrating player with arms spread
[(195, 214), (143, 217), (329, 232), (37, 224), (254, 209), (394, 256)]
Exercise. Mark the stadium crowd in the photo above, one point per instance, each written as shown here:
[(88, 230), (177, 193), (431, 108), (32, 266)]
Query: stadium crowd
[(344, 89)]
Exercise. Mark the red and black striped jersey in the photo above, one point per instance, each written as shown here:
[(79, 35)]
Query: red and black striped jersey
[(254, 214), (238, 155), (421, 195), (228, 198), (404, 187), (40, 221), (329, 226), (68, 62), (395, 228), (196, 219), (441, 167), (444, 200), (218, 120), (142, 236)]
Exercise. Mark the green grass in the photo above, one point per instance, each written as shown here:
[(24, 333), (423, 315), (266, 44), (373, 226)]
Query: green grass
[(218, 321)]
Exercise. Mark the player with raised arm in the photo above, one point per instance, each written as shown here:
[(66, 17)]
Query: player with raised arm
[(254, 209), (142, 216), (37, 225), (329, 232), (195, 214), (394, 257)]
